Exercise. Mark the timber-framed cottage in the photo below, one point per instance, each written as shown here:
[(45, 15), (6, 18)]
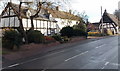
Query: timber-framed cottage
[(48, 21)]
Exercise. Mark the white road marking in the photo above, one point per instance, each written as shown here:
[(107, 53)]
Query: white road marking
[(115, 64), (30, 60), (97, 47), (102, 67), (13, 65), (107, 63), (100, 46), (104, 59), (76, 56)]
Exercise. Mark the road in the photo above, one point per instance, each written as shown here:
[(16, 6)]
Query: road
[(99, 54)]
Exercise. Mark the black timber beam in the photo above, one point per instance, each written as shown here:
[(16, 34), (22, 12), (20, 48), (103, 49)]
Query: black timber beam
[(9, 16)]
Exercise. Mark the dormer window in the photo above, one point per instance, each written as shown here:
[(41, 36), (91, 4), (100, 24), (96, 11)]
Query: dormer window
[(28, 13)]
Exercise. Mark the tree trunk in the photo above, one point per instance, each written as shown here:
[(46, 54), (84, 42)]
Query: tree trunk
[(21, 28), (22, 31), (32, 25), (32, 17)]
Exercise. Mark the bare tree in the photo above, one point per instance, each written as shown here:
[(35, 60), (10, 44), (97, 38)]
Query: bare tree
[(84, 16), (3, 4), (65, 4), (21, 29), (33, 16), (117, 14), (39, 5)]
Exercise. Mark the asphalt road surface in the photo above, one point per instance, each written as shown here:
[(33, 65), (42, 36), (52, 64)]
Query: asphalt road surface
[(99, 54)]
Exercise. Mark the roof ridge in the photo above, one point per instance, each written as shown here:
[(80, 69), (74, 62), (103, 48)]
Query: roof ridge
[(55, 13), (113, 18)]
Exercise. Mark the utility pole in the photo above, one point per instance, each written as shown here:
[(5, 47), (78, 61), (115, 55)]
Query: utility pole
[(101, 20)]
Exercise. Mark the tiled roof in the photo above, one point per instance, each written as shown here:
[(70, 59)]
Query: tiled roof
[(113, 18), (110, 18), (54, 13), (63, 15), (15, 8)]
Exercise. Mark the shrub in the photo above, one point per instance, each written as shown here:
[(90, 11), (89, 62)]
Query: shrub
[(109, 32), (11, 38), (80, 30), (65, 39), (49, 38), (67, 31), (35, 36), (57, 37), (81, 27)]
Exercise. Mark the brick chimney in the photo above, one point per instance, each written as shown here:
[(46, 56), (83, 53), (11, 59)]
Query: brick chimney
[(57, 8)]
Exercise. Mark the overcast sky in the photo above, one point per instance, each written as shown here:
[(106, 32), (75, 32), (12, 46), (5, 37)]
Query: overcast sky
[(93, 7)]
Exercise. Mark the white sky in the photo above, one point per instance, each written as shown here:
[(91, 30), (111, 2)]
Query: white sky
[(93, 7)]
